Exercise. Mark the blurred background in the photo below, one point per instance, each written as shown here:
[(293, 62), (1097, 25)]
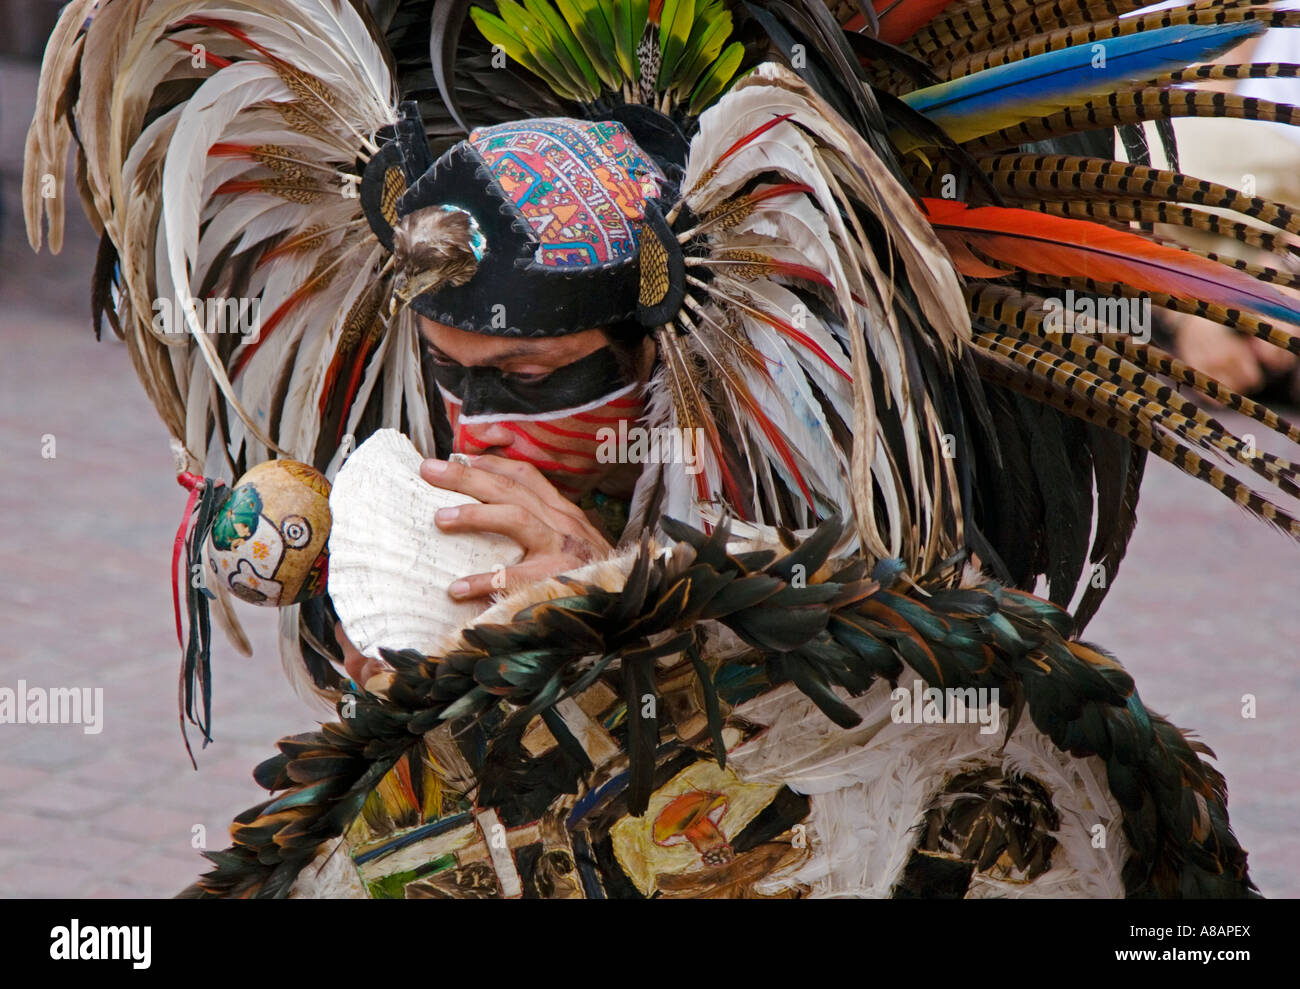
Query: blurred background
[(1206, 607)]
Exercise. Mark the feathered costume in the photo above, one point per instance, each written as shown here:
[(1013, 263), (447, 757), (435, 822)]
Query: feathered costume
[(850, 229)]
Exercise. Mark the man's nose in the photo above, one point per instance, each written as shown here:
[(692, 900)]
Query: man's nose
[(494, 436)]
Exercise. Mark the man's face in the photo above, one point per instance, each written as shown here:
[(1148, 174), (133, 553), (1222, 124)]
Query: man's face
[(538, 400)]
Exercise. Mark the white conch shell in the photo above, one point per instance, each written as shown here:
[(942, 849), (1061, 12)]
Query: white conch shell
[(390, 565)]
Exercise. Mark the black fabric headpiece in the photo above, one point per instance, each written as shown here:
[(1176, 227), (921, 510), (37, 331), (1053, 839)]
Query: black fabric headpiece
[(562, 207)]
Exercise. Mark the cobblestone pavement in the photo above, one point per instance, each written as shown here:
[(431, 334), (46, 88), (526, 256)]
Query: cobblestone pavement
[(1203, 612)]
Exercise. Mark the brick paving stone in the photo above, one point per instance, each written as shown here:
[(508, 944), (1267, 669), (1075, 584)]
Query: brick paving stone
[(112, 770), (32, 834), (7, 857), (52, 750), (152, 825), (13, 777), (164, 873), (115, 891), (230, 798), (98, 848), (71, 799), (1202, 611), (43, 880)]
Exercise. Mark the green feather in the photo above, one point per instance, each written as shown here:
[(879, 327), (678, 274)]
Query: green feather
[(701, 53), (473, 702), (717, 78), (629, 19), (303, 796), (607, 12), (538, 40), (594, 34), (711, 708), (675, 24), (566, 46), (498, 33)]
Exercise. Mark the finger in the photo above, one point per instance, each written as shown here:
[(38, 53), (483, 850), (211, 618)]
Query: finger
[(494, 489), (373, 668), (1272, 359), (530, 477), (478, 585), (536, 481), (504, 489), (484, 584), (521, 525), (353, 661), (356, 664)]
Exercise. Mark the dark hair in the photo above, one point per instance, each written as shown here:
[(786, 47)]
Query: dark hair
[(625, 339)]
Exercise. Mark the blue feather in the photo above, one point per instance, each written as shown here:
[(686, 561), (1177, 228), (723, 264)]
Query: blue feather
[(1040, 85)]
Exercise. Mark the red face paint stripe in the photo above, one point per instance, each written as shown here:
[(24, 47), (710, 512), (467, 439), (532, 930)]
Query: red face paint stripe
[(546, 446), (543, 465), (576, 434)]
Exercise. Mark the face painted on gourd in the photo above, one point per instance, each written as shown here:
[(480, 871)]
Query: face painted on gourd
[(555, 423)]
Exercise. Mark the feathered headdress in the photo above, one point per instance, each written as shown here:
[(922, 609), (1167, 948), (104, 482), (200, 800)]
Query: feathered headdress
[(852, 267)]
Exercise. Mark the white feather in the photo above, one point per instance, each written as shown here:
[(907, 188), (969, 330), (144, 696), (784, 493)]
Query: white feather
[(870, 786)]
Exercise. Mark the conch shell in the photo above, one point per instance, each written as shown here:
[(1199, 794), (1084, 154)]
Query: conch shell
[(390, 565)]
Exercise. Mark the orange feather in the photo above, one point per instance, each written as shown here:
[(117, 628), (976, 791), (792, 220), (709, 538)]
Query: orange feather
[(900, 19), (1070, 248)]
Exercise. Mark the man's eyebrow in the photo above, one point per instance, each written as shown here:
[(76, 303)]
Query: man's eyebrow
[(523, 350), (520, 350)]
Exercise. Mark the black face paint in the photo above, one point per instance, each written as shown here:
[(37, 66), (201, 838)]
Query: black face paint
[(487, 390)]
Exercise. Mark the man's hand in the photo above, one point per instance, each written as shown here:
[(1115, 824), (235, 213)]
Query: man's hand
[(1219, 352), (359, 667), (519, 502)]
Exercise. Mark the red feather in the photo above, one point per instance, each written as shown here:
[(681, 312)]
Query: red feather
[(789, 330), (319, 279), (231, 30), (177, 548), (729, 484), (288, 246), (772, 191), (282, 310), (1065, 247), (359, 354), (753, 135), (327, 387), (899, 19), (403, 774), (354, 380), (229, 149), (774, 437), (217, 60), (800, 271), (354, 383)]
